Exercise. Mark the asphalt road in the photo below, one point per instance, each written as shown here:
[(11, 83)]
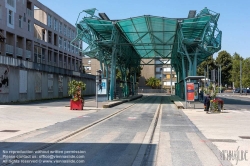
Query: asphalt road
[(235, 102)]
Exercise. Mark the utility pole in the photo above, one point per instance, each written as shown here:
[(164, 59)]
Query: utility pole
[(218, 76), (240, 78)]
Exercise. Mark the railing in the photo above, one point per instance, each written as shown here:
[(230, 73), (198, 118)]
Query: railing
[(19, 52), (15, 62), (29, 12), (28, 54), (9, 49), (5, 60)]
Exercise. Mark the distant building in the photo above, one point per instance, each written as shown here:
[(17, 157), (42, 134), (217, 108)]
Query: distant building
[(34, 38)]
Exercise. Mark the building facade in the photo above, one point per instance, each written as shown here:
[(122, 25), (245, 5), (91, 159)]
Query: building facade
[(34, 38)]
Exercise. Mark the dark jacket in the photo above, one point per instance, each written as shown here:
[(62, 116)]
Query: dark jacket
[(207, 100)]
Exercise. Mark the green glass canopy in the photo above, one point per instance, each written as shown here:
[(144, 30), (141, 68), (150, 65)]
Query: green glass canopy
[(122, 44)]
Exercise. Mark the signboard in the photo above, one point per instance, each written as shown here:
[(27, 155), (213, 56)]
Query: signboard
[(190, 91), (102, 88), (23, 82), (4, 79), (196, 91)]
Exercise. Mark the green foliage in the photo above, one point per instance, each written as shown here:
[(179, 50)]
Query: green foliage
[(153, 82), (235, 72), (75, 88), (203, 66), (246, 73)]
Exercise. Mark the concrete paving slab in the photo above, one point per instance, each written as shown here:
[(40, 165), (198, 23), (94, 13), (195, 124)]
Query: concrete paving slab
[(223, 130)]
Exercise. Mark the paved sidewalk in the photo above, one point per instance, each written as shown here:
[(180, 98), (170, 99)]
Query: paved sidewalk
[(224, 131), (22, 118)]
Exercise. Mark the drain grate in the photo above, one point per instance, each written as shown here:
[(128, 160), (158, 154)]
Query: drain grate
[(245, 137), (223, 140), (9, 130)]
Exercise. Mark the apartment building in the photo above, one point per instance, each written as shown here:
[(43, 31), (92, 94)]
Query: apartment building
[(35, 38)]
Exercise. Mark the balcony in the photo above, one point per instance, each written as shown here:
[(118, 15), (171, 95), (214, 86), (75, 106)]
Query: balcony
[(19, 52), (9, 49), (28, 54), (29, 12)]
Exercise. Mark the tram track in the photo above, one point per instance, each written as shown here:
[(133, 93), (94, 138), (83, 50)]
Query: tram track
[(151, 138), (83, 129)]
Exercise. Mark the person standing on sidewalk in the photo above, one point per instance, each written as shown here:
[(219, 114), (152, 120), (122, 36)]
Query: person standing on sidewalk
[(207, 103)]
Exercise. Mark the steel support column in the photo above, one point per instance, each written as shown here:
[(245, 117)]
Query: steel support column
[(184, 76), (113, 73), (195, 63)]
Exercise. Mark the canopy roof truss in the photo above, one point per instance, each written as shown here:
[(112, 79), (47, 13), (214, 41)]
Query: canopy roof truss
[(122, 44)]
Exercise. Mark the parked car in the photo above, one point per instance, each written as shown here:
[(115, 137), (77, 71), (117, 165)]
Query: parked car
[(246, 91), (237, 90)]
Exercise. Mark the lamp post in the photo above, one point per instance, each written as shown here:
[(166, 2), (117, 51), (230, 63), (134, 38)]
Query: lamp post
[(220, 78), (240, 77)]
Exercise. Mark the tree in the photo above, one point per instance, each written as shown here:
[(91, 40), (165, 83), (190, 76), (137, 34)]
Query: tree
[(246, 73), (153, 82), (203, 66), (235, 72), (225, 60)]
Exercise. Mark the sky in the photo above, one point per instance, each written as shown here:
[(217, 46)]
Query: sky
[(234, 21)]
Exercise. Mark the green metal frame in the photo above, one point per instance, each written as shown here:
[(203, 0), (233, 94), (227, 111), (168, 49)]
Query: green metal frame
[(123, 44)]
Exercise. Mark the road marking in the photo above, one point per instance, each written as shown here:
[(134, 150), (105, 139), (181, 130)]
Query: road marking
[(132, 118)]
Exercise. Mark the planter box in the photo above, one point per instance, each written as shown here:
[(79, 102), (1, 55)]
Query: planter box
[(76, 105)]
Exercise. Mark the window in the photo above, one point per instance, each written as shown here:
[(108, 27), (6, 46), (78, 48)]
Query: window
[(68, 34), (60, 27), (72, 48), (60, 42), (65, 30), (28, 25), (10, 16), (20, 21), (49, 21), (55, 24), (166, 69), (68, 46), (11, 3), (168, 76), (65, 44)]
